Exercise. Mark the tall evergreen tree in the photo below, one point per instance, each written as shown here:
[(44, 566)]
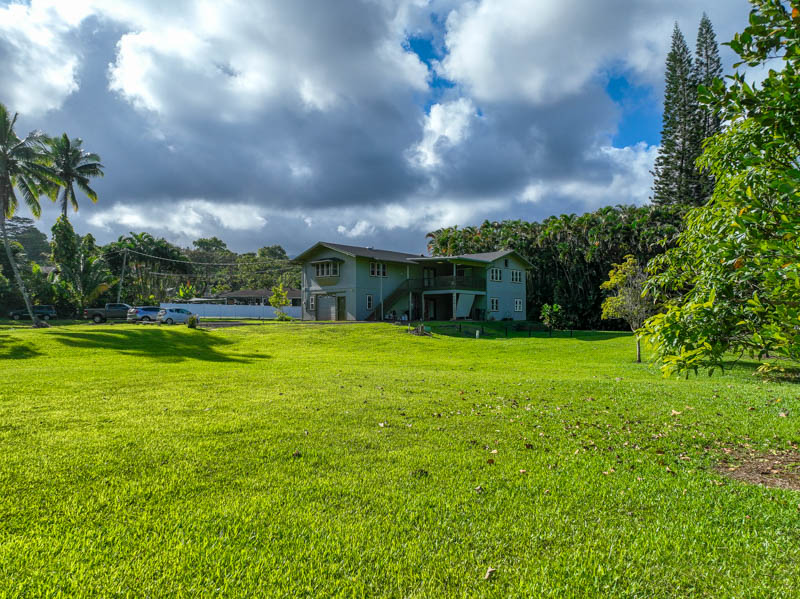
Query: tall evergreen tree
[(707, 68), (675, 171)]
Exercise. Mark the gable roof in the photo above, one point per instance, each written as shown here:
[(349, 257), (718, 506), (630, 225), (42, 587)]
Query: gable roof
[(360, 252), (389, 256)]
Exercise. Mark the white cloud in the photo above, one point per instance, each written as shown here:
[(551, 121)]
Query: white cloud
[(446, 125), (507, 50), (237, 58), (187, 218), (630, 179), (39, 69), (361, 228)]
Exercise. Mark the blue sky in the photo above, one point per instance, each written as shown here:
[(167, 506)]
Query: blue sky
[(368, 122)]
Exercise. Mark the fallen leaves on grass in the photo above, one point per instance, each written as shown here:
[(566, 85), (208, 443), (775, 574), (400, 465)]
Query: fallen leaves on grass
[(489, 573)]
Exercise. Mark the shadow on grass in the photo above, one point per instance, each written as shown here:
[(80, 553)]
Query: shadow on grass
[(170, 346), (16, 350), (516, 330)]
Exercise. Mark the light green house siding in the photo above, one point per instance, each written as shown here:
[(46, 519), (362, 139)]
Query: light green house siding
[(382, 287), (506, 291), (342, 286), (445, 287)]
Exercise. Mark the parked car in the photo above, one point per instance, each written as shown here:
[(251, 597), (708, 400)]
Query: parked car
[(43, 312), (173, 315), (110, 312), (143, 313)]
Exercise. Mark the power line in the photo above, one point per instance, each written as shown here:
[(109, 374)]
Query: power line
[(269, 261)]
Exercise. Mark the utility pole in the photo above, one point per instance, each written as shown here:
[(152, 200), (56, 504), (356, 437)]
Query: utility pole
[(122, 276)]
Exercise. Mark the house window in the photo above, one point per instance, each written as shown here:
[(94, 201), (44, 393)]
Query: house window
[(505, 262), (369, 301), (517, 305), (495, 274), (377, 269), (494, 305), (312, 303), (516, 276), (326, 269)]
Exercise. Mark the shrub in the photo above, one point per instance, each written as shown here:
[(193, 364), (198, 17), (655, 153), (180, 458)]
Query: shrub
[(192, 322)]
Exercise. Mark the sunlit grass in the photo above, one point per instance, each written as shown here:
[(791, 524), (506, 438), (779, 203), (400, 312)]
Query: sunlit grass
[(358, 460)]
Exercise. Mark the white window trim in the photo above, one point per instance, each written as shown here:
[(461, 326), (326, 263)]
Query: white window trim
[(378, 269), (496, 275), (312, 303), (516, 276), (517, 305), (494, 304), (331, 266), (370, 301)]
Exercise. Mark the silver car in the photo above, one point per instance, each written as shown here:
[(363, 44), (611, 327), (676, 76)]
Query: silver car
[(173, 315)]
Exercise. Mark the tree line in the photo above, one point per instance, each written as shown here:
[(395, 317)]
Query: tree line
[(72, 271)]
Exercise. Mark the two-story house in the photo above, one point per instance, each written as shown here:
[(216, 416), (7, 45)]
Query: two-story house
[(344, 282)]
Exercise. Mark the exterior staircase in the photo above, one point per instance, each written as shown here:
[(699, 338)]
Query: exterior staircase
[(389, 300)]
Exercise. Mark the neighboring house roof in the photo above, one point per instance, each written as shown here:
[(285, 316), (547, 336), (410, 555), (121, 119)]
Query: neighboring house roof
[(360, 252), (259, 293), (389, 256)]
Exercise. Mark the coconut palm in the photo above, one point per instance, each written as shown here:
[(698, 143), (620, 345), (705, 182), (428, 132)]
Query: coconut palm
[(21, 167), (74, 166)]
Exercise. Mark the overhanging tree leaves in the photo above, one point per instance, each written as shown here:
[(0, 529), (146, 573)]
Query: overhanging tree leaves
[(733, 281)]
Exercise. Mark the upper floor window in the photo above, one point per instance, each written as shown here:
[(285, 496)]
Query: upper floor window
[(495, 274), (326, 269), (377, 269), (516, 276)]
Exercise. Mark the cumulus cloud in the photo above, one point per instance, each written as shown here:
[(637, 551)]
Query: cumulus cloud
[(186, 218), (445, 125), (626, 179), (289, 122), (38, 60), (543, 51)]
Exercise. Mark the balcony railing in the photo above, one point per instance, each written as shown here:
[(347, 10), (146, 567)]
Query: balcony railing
[(448, 282)]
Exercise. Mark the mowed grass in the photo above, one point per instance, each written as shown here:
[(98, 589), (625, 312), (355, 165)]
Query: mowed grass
[(295, 460)]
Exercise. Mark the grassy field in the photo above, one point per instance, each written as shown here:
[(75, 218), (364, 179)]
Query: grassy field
[(357, 460)]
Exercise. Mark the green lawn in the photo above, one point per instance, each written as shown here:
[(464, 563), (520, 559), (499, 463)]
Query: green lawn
[(303, 460)]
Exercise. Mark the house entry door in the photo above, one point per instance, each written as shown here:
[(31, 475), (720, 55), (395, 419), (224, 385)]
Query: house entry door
[(341, 307)]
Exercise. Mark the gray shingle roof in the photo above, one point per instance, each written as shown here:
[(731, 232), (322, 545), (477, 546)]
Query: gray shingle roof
[(389, 256), (362, 252)]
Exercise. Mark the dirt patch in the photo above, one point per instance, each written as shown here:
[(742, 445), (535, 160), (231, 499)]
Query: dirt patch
[(781, 469)]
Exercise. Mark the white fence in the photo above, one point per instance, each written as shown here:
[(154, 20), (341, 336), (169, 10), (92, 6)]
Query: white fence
[(223, 311)]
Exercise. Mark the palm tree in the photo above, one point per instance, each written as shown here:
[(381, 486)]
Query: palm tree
[(73, 166), (21, 167)]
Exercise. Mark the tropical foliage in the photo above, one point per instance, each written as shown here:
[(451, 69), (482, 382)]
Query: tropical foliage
[(22, 170), (732, 283), (74, 167)]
